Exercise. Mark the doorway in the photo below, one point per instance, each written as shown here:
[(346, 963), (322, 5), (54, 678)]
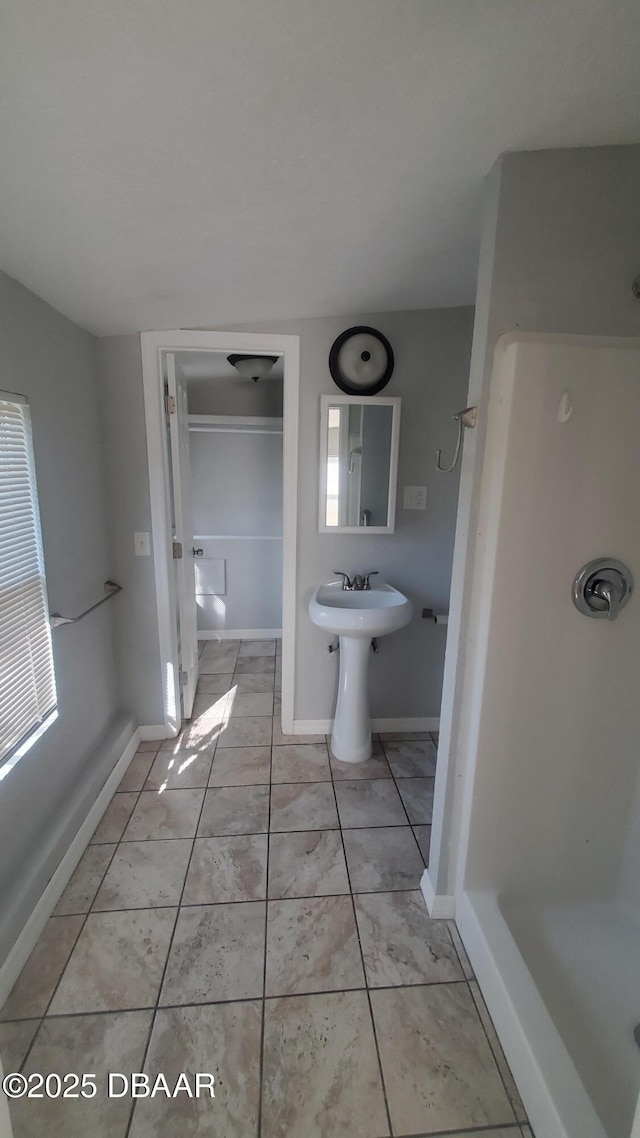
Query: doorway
[(223, 478)]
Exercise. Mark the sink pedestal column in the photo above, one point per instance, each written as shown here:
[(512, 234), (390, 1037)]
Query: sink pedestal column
[(351, 738)]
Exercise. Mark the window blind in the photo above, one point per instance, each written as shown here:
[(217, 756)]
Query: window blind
[(27, 681)]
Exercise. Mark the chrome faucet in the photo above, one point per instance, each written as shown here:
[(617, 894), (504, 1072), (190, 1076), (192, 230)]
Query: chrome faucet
[(359, 583)]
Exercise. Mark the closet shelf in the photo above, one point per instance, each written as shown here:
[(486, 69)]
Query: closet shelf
[(236, 424)]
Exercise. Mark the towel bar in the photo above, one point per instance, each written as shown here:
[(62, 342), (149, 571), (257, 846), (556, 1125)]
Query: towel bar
[(110, 589)]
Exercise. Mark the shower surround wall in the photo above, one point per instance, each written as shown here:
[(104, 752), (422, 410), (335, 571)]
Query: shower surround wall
[(559, 251), (553, 739)]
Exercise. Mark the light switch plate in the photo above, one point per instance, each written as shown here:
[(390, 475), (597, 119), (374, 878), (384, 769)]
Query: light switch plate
[(142, 544), (415, 498)]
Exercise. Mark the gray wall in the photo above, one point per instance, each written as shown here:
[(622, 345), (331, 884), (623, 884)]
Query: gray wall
[(236, 489), (45, 797), (235, 397), (129, 512), (561, 247), (432, 351)]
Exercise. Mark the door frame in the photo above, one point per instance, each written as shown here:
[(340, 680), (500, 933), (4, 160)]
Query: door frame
[(258, 343)]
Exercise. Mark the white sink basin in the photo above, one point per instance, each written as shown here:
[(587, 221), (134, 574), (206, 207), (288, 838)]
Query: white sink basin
[(356, 617), (362, 614)]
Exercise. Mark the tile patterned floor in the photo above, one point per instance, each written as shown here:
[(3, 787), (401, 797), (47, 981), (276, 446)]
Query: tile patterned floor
[(249, 906)]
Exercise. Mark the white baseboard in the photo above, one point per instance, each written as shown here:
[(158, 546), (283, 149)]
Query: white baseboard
[(552, 1091), (155, 731), (441, 906), (57, 883), (239, 634), (325, 726)]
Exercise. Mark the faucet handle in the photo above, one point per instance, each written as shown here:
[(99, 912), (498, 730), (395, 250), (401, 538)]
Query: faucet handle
[(346, 583), (366, 583)]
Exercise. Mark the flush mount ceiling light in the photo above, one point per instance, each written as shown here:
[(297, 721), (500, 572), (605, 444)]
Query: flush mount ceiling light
[(252, 367), (361, 361)]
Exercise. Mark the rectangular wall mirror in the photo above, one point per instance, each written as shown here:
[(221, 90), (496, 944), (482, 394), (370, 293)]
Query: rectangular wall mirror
[(358, 463)]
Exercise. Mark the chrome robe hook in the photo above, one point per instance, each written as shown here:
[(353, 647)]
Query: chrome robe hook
[(465, 419)]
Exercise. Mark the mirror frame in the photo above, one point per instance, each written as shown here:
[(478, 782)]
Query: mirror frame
[(327, 401)]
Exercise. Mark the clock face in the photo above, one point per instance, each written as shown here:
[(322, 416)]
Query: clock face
[(361, 361)]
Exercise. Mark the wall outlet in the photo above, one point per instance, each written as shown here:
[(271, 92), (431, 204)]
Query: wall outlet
[(142, 545), (415, 498)]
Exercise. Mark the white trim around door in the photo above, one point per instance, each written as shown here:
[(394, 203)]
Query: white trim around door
[(153, 344)]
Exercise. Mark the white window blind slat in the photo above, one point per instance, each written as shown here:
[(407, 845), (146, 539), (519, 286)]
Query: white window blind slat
[(27, 680)]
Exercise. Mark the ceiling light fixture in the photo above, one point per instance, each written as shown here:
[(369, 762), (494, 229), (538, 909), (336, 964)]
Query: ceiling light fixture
[(252, 367)]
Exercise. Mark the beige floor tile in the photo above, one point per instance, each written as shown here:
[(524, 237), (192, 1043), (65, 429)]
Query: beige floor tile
[(254, 665), (186, 770), (375, 767), (257, 648), (165, 814), (303, 806), (417, 795), (218, 658), (210, 705), (321, 1076), (144, 875), (259, 683), (223, 1040), (371, 802), (97, 1044), (117, 962), (217, 667), (215, 684), (198, 735), (115, 818), (498, 1053), (235, 810), (412, 760), (462, 952), (308, 864), (438, 1068), (212, 647), (381, 859), (423, 838), (401, 736), (37, 981), (252, 703), (248, 731), (227, 869), (85, 882), (401, 944), (312, 946), (301, 762), (241, 766), (509, 1132), (15, 1041), (280, 740), (217, 954), (149, 745), (137, 771)]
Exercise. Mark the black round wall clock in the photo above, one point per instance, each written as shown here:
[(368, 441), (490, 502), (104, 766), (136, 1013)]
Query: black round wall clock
[(361, 361)]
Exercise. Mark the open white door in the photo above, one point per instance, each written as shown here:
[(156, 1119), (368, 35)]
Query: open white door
[(183, 535)]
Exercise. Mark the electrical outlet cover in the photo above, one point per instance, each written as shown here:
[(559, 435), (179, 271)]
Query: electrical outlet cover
[(415, 498)]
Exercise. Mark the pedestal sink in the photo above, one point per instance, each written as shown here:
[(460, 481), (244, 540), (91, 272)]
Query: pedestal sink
[(356, 616)]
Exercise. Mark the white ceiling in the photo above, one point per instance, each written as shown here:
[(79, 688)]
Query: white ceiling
[(214, 161)]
